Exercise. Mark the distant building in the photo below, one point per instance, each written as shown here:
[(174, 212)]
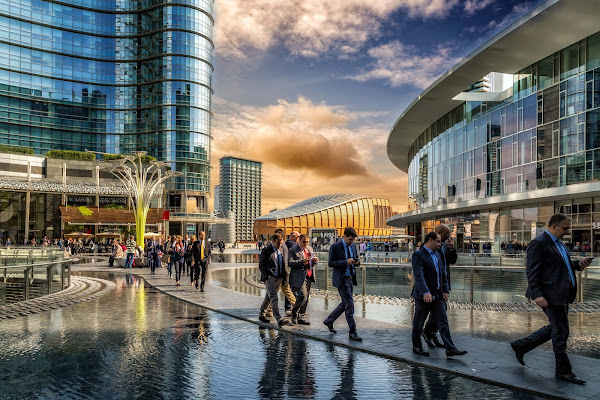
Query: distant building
[(331, 212), (240, 192), (217, 194)]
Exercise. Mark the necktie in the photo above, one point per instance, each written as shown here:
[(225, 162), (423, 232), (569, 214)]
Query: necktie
[(309, 271), (563, 253), (202, 251), (279, 262)]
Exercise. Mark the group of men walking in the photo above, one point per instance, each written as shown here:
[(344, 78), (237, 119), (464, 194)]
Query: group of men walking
[(552, 284)]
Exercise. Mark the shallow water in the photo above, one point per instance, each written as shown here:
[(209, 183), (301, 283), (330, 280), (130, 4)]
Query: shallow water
[(138, 343)]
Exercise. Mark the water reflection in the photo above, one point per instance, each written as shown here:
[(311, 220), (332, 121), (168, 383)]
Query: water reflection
[(235, 258), (136, 343)]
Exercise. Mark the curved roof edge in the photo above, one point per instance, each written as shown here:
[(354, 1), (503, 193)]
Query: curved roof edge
[(514, 48), (314, 204)]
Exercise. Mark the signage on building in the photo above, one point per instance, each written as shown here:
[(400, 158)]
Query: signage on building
[(78, 200), (122, 201), (595, 225), (166, 215)]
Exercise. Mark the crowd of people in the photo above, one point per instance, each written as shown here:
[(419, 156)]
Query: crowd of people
[(552, 284)]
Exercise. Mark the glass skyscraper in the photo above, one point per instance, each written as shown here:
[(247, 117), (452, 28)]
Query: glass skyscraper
[(112, 76)]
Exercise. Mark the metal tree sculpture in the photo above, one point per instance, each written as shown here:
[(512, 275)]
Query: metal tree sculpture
[(142, 185)]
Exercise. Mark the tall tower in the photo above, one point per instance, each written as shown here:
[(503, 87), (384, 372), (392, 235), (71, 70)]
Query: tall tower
[(240, 192), (114, 76)]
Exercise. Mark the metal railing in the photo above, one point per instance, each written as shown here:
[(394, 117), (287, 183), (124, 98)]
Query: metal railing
[(29, 255), (28, 281), (470, 283)]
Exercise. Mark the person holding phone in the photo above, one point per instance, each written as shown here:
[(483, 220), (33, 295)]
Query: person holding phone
[(301, 262), (552, 284), (343, 258)]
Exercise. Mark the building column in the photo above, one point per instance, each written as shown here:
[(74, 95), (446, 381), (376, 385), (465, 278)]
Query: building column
[(27, 207)]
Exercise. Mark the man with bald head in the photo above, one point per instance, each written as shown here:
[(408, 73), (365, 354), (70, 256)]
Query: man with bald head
[(448, 256)]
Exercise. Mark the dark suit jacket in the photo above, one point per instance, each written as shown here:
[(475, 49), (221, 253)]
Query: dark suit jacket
[(337, 261), (196, 251), (297, 267), (425, 276), (267, 262), (450, 258), (547, 273)]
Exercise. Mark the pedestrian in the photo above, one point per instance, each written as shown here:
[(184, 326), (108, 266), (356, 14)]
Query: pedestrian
[(200, 260), (302, 262), (272, 267), (343, 258), (178, 260), (552, 284), (169, 250), (131, 248)]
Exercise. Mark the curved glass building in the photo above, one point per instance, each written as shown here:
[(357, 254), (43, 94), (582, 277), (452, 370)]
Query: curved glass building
[(366, 214), (112, 76), (496, 160)]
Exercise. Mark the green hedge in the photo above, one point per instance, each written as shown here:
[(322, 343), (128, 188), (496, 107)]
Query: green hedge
[(110, 157), (5, 148), (71, 155), (114, 207)]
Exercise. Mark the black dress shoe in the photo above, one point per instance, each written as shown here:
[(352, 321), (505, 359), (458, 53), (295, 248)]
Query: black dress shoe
[(436, 342), (518, 353), (329, 326), (428, 340), (420, 352), (455, 352), (302, 322), (354, 336), (264, 319), (570, 378), (294, 321), (282, 322)]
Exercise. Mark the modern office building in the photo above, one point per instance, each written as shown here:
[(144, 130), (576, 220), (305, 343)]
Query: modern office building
[(216, 198), (496, 165), (240, 188), (331, 212), (113, 77)]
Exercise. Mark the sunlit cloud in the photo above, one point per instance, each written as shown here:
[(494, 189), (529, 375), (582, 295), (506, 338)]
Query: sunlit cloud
[(308, 149), (311, 28)]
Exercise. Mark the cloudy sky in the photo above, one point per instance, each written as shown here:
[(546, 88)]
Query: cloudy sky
[(312, 87)]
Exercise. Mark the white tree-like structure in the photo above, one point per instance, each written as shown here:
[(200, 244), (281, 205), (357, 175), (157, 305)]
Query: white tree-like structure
[(142, 183)]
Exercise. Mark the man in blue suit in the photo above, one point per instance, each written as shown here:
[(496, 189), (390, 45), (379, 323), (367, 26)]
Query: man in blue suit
[(430, 291), (343, 258)]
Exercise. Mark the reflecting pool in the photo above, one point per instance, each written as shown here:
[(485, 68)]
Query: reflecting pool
[(136, 343)]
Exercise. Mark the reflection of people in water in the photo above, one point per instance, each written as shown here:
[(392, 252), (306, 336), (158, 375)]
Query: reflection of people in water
[(286, 362), (345, 389), (424, 381)]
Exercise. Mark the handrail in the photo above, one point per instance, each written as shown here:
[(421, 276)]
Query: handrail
[(46, 264), (29, 276)]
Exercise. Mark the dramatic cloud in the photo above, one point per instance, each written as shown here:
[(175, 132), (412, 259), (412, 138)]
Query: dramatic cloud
[(472, 6), (308, 149), (310, 28), (399, 64)]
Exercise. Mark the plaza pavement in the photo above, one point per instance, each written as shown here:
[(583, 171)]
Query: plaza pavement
[(487, 361)]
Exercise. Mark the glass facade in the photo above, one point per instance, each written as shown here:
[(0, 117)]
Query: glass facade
[(111, 76), (366, 215), (498, 225), (546, 135)]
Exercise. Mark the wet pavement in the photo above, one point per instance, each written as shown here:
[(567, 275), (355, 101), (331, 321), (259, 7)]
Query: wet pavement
[(488, 361), (138, 343)]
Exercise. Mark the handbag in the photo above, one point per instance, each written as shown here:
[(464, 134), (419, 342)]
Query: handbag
[(165, 258)]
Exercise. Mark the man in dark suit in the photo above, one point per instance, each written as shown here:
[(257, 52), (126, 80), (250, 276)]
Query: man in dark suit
[(430, 291), (552, 284), (200, 259), (301, 262), (343, 258), (448, 255), (285, 287), (272, 267)]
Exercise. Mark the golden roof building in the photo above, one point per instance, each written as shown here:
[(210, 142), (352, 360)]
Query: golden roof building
[(366, 214)]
